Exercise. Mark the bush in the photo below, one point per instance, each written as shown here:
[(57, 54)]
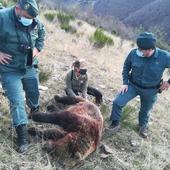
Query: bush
[(44, 75), (64, 18), (5, 3), (100, 39), (50, 15), (68, 28), (128, 119)]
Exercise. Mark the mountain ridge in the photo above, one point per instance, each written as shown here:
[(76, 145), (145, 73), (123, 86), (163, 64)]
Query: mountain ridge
[(149, 14)]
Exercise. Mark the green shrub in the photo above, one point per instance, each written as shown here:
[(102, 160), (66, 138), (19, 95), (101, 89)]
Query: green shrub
[(5, 3), (44, 75), (50, 15), (64, 18), (68, 28), (127, 120), (100, 39)]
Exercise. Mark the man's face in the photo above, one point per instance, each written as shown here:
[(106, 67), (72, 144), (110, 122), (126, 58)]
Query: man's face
[(77, 69), (80, 70), (147, 53)]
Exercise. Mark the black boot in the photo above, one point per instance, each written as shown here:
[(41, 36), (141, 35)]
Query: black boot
[(22, 136)]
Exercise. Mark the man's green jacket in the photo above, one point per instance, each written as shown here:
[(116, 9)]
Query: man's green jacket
[(19, 41)]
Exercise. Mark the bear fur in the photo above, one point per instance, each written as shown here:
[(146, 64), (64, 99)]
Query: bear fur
[(80, 129)]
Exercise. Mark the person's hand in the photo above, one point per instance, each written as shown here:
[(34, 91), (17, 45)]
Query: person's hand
[(5, 58), (35, 52), (123, 89), (165, 86)]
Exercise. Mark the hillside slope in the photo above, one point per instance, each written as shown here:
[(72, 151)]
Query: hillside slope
[(104, 67)]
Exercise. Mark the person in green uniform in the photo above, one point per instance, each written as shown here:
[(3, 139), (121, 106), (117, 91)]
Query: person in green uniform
[(22, 38), (142, 75)]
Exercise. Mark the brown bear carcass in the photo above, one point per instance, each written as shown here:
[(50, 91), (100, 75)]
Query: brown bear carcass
[(81, 123)]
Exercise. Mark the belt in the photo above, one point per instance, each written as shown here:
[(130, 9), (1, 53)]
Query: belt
[(149, 87)]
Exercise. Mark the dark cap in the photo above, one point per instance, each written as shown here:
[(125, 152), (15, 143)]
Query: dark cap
[(30, 6), (146, 41)]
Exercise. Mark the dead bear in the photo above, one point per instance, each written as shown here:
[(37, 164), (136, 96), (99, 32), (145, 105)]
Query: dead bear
[(81, 123)]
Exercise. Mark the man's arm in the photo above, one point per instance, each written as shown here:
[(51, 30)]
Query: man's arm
[(41, 37), (125, 74), (126, 70), (166, 84), (84, 88), (68, 85), (4, 57)]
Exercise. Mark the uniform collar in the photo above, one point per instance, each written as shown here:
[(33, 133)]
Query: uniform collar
[(155, 55)]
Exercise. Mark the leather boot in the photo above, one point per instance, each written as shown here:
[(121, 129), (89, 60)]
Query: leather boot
[(22, 137)]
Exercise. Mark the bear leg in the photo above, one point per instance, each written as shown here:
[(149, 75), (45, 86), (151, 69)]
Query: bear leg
[(47, 134)]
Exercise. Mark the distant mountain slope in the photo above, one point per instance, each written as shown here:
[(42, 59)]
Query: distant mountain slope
[(134, 13), (154, 14), (119, 8), (67, 3)]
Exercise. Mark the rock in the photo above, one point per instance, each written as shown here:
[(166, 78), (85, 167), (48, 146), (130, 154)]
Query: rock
[(104, 156), (106, 149), (102, 86), (138, 98), (43, 88), (134, 143)]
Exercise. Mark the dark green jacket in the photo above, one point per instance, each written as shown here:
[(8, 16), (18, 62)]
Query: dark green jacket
[(13, 34), (78, 84), (145, 71)]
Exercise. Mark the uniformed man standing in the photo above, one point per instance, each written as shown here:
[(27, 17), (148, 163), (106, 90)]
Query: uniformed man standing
[(22, 38), (142, 74)]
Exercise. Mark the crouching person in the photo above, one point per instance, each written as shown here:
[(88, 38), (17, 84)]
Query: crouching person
[(77, 83)]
